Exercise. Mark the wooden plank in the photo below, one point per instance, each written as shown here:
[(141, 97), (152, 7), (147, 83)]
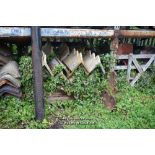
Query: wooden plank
[(78, 33), (55, 32), (15, 31), (102, 68), (59, 96), (137, 56), (124, 67), (148, 64), (129, 67), (136, 79), (143, 56), (136, 64), (119, 57)]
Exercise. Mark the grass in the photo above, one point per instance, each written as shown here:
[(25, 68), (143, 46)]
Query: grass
[(132, 112)]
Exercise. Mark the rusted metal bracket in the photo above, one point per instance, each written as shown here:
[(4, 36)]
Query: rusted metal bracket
[(37, 73)]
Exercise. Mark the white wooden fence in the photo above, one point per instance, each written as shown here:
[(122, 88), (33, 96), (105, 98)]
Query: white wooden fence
[(133, 64)]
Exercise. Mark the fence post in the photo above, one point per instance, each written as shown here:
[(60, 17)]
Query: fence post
[(129, 67), (37, 72)]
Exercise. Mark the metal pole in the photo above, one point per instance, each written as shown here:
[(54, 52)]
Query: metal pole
[(37, 73), (137, 33)]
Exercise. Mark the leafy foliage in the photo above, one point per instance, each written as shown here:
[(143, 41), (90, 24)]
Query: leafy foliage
[(135, 105), (25, 67), (108, 60)]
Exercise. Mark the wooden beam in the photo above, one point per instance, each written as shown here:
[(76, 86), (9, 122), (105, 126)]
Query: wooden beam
[(129, 68), (148, 64), (136, 64), (78, 33), (124, 67), (137, 56), (136, 79), (56, 32)]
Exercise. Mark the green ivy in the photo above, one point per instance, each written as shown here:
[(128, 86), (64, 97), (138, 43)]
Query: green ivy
[(135, 105)]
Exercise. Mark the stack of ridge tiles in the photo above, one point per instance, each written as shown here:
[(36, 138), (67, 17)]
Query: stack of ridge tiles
[(9, 75)]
